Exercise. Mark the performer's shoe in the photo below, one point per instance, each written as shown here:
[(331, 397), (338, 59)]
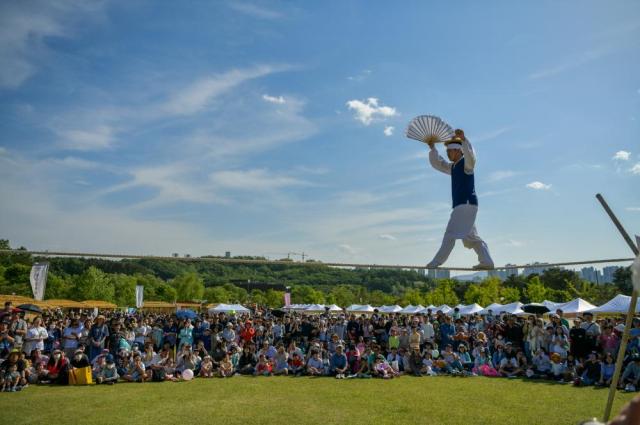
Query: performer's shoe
[(483, 267)]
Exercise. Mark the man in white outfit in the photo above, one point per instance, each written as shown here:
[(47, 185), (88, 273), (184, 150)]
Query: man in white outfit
[(465, 202)]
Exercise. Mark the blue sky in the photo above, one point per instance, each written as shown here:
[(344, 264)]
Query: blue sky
[(271, 127)]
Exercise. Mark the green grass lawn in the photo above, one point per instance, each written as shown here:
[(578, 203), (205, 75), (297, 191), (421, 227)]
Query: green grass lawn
[(247, 400)]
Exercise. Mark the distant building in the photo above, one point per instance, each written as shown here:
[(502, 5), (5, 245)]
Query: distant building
[(607, 273), (500, 274), (537, 268), (438, 274), (510, 270), (227, 254), (591, 274)]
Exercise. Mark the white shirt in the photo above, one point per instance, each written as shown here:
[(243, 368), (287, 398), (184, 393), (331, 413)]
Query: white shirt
[(40, 333)]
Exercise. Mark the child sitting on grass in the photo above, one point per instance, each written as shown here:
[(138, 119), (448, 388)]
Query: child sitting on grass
[(281, 360), (11, 379), (384, 369), (315, 366), (206, 367), (263, 367), (108, 373), (226, 369)]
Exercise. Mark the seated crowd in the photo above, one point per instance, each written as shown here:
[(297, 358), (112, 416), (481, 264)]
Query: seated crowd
[(140, 347)]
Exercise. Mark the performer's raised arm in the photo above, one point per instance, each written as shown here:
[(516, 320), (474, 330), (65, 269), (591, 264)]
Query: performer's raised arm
[(467, 151), (437, 161)]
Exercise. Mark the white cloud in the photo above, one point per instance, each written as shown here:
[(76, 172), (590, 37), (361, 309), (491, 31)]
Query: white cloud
[(622, 156), (273, 99), (174, 183), (574, 62), (254, 10), (196, 96), (388, 130), (538, 186), (73, 162), (635, 209), (514, 243), (500, 175), (361, 76), (493, 134), (347, 249), (253, 180), (387, 237), (635, 169), (102, 137), (2, 150), (368, 111), (25, 25)]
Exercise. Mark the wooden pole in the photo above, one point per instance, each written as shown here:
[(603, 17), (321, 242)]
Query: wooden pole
[(632, 309)]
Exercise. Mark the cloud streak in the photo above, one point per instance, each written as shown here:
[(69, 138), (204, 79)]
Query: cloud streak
[(536, 185), (370, 110)]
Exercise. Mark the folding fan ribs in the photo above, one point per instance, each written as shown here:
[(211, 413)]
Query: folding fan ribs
[(429, 128)]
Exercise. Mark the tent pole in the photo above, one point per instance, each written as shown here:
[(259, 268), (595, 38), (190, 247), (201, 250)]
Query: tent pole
[(632, 309)]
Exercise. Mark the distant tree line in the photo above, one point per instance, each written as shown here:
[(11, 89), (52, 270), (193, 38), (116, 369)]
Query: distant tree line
[(172, 280)]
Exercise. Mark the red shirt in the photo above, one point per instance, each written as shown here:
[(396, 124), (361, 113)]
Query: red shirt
[(247, 334)]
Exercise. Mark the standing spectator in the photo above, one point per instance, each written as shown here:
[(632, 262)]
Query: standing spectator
[(70, 337), (97, 337), (36, 334), (17, 329), (447, 331)]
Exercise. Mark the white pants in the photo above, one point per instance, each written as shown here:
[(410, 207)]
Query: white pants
[(462, 226)]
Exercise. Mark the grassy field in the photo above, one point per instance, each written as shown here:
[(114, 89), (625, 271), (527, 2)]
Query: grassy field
[(246, 400)]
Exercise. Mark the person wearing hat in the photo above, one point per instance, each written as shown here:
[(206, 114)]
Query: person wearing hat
[(97, 337), (592, 330), (631, 375), (108, 373), (465, 202)]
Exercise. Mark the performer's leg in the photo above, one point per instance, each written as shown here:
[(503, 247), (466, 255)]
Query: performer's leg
[(460, 223), (475, 242)]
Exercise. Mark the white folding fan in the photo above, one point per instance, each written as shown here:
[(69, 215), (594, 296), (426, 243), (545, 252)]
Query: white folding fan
[(429, 128)]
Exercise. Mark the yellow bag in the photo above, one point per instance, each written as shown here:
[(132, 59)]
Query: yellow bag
[(80, 376)]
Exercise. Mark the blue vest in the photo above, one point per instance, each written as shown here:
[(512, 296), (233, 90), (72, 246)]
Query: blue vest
[(463, 189)]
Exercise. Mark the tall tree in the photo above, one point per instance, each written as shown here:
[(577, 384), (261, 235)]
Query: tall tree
[(189, 286)]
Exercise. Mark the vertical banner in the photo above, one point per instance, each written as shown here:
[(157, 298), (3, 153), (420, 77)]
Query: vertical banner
[(287, 298), (38, 280), (139, 296)]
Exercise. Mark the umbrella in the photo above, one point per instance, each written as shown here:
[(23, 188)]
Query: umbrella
[(186, 314), (30, 307), (278, 313), (535, 308)]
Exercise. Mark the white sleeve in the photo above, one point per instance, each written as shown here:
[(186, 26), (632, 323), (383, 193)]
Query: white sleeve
[(469, 156), (438, 162)]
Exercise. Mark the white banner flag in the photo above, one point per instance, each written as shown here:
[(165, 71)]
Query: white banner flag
[(139, 296), (38, 280)]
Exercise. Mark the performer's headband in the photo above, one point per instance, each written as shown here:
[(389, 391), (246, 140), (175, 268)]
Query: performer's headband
[(454, 146)]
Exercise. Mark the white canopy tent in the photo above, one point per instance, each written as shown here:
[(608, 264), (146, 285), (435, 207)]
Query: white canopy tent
[(411, 309), (618, 304), (495, 309), (335, 309), (358, 308), (467, 310), (390, 309), (551, 305), (577, 306), (229, 308), (315, 308), (444, 308), (512, 308)]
